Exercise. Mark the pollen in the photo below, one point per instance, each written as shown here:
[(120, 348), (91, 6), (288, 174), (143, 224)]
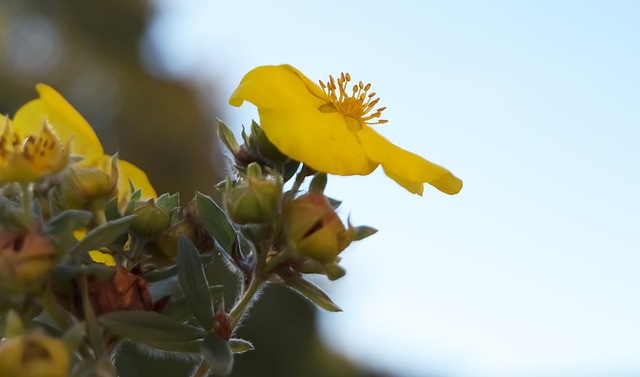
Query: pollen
[(353, 101)]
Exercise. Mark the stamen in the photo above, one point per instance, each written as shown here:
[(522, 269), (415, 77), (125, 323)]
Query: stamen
[(358, 104)]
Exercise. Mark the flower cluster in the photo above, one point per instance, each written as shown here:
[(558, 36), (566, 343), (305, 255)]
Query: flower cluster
[(90, 255)]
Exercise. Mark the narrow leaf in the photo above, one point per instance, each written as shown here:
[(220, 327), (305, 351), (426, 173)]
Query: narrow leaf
[(318, 183), (312, 292), (363, 232), (147, 326), (182, 347), (104, 234), (217, 354), (194, 283), (240, 345), (111, 210), (68, 221), (74, 336), (216, 222), (179, 310), (226, 136)]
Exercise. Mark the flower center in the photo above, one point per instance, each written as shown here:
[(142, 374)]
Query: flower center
[(41, 151), (355, 103)]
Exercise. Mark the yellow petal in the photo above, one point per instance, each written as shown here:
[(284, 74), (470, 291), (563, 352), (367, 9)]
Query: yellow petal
[(407, 169), (128, 171), (96, 255), (288, 104), (101, 257), (66, 121)]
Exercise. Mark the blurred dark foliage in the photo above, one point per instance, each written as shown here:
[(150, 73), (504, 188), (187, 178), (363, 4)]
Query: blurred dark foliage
[(90, 52)]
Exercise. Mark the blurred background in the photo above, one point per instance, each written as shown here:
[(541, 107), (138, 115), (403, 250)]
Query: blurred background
[(531, 271)]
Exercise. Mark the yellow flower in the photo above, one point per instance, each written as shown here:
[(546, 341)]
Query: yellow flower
[(34, 355), (327, 127), (28, 158), (71, 128)]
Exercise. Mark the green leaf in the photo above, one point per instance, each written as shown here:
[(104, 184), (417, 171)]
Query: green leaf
[(265, 148), (217, 354), (71, 271), (362, 232), (312, 292), (157, 275), (318, 183), (137, 194), (74, 336), (194, 283), (182, 347), (289, 170), (131, 206), (68, 221), (335, 203), (168, 202), (226, 136), (103, 235), (148, 326), (179, 310), (240, 345), (111, 210), (62, 229), (216, 222)]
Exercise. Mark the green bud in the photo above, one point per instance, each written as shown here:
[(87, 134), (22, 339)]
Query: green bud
[(83, 184), (152, 219), (34, 355), (25, 258), (314, 229), (254, 200), (167, 241)]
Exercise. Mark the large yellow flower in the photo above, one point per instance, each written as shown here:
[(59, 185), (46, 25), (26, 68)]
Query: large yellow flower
[(70, 128), (327, 127)]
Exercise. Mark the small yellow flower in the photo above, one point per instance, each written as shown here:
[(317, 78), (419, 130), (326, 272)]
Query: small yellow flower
[(71, 128), (28, 158), (34, 355), (327, 127)]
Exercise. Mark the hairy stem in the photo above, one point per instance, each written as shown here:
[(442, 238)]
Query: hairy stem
[(238, 311)]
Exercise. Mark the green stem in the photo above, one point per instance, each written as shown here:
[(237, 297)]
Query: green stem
[(27, 198), (300, 177), (236, 314)]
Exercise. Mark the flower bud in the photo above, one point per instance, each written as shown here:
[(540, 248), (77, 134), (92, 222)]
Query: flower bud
[(152, 219), (254, 200), (34, 355), (82, 184), (25, 258), (314, 229), (167, 241)]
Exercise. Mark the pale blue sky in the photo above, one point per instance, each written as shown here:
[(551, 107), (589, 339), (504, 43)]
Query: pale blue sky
[(533, 270)]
